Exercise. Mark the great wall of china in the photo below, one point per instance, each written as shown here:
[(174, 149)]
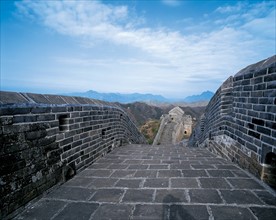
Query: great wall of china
[(46, 139), (173, 127), (239, 122)]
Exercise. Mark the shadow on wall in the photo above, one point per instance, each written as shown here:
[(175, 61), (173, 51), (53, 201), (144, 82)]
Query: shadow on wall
[(269, 169)]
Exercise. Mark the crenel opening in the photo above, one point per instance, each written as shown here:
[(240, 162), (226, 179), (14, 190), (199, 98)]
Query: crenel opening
[(63, 123)]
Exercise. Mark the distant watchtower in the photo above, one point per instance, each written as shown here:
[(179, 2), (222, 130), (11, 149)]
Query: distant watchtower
[(174, 127)]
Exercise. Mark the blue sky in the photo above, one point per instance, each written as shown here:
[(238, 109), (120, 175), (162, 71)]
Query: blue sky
[(168, 47)]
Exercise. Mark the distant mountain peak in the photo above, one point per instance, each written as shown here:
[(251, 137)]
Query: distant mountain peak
[(122, 98), (137, 97), (204, 96)]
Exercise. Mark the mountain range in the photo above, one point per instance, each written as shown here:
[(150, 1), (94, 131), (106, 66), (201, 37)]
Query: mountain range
[(137, 97), (205, 96)]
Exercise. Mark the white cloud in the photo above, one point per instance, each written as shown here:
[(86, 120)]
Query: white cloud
[(264, 26), (172, 3), (212, 55), (230, 9), (243, 12)]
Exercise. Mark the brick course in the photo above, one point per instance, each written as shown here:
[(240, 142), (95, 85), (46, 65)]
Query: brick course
[(239, 121), (43, 144)]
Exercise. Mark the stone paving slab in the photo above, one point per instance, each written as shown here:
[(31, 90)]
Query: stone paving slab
[(160, 182)]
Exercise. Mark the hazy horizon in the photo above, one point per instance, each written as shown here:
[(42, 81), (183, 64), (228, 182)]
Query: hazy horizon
[(171, 48)]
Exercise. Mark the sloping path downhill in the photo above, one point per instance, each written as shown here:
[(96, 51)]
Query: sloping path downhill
[(161, 182), (166, 136)]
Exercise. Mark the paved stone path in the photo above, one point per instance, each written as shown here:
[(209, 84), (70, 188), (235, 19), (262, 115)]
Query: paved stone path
[(166, 136), (161, 182)]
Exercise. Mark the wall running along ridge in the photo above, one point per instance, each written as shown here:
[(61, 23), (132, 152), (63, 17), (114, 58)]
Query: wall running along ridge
[(46, 139), (239, 121)]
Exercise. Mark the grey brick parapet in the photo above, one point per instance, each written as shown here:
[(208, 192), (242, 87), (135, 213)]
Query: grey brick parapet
[(46, 139), (239, 121)]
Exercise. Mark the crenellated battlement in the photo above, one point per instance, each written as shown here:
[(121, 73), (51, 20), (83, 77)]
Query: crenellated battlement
[(46, 139), (239, 121)]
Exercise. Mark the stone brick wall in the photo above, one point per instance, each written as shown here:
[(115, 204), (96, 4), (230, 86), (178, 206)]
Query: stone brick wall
[(239, 121), (43, 144)]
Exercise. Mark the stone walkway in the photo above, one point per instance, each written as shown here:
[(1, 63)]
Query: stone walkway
[(166, 136), (162, 182)]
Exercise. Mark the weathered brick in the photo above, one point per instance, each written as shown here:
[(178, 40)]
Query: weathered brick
[(272, 69), (257, 94), (270, 77), (59, 109), (259, 108), (74, 114), (253, 100), (268, 140), (76, 143), (271, 125), (245, 82), (24, 118), (40, 109), (271, 108), (264, 130), (257, 80), (14, 111), (253, 113), (46, 141), (32, 135), (270, 93), (6, 120), (251, 126), (248, 88), (86, 113), (53, 124), (271, 85), (11, 129), (66, 147), (73, 126), (258, 121), (254, 134), (267, 116), (251, 146), (261, 86), (52, 131), (266, 100), (66, 141), (260, 73), (46, 117), (238, 78)]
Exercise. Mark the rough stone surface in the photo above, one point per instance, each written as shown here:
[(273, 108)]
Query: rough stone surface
[(44, 144), (90, 196), (231, 212), (77, 210), (239, 121)]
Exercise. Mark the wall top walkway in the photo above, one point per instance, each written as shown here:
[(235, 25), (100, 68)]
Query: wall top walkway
[(161, 182), (8, 98), (262, 65)]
